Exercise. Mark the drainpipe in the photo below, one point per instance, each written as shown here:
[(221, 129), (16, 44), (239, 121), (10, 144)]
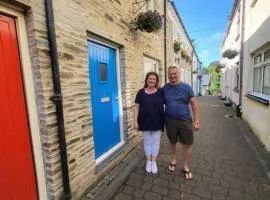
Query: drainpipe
[(239, 108), (165, 39), (57, 99)]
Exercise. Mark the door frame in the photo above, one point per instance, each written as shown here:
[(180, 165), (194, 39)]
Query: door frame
[(31, 104), (121, 143)]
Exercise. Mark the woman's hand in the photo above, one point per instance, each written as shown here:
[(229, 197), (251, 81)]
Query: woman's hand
[(136, 125)]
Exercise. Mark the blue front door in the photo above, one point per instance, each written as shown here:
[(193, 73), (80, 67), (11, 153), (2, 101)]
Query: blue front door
[(104, 95)]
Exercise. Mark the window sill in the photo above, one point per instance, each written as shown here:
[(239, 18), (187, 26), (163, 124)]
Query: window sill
[(258, 97)]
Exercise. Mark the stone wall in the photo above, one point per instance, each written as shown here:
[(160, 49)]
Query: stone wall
[(75, 22)]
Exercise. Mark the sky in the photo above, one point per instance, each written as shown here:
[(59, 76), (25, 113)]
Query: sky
[(205, 22)]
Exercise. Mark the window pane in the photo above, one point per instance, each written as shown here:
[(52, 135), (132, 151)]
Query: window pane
[(257, 80), (103, 72), (267, 56), (258, 59), (266, 81)]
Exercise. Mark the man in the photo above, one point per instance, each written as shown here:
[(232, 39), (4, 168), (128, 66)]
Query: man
[(178, 120)]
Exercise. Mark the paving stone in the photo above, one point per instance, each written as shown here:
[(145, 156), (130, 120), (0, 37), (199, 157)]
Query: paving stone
[(146, 186), (176, 194), (122, 196), (152, 196), (202, 193), (128, 190), (135, 182), (161, 182), (139, 193), (234, 194), (186, 196), (148, 179), (217, 196), (173, 185), (223, 165), (219, 189), (186, 188), (160, 190), (201, 184)]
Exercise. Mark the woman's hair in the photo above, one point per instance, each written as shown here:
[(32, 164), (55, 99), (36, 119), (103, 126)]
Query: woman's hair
[(147, 76)]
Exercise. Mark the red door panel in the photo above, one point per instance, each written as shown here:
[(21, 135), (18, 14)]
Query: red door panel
[(17, 175)]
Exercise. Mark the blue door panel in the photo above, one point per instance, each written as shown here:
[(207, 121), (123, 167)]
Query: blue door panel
[(104, 95)]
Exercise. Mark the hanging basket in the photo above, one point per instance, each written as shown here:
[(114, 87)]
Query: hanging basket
[(183, 54), (230, 53), (150, 21), (176, 46)]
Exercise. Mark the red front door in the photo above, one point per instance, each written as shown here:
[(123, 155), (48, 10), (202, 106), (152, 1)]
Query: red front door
[(17, 175)]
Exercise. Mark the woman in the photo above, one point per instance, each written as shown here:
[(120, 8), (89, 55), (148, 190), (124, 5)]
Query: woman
[(149, 118)]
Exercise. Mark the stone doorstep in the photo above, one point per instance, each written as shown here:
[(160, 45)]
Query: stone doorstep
[(104, 189)]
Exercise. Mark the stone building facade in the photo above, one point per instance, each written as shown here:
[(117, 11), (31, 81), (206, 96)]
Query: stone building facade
[(177, 33), (78, 23)]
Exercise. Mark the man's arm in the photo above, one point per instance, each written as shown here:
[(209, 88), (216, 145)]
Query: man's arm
[(196, 112)]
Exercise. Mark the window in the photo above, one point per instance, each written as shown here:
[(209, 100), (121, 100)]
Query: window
[(103, 72), (176, 34), (261, 73), (151, 5), (182, 75), (150, 65)]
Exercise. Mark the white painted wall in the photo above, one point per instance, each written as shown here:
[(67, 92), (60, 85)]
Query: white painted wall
[(257, 37), (232, 41)]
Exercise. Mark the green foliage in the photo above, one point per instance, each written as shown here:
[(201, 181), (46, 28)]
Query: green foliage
[(183, 54), (176, 46), (214, 87), (148, 21)]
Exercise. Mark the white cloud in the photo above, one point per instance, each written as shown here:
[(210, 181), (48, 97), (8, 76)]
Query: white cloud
[(217, 36), (204, 53)]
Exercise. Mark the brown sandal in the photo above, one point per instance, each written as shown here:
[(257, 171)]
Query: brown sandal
[(171, 167)]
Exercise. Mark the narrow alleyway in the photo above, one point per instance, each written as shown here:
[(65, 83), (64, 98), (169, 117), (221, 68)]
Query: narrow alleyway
[(223, 165)]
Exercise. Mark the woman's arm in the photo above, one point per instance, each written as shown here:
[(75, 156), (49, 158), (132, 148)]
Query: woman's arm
[(136, 112)]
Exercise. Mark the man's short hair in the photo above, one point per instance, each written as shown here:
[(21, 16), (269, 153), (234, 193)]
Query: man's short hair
[(173, 67)]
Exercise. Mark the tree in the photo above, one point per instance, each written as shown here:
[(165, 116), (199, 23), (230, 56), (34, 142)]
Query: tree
[(204, 70), (214, 87)]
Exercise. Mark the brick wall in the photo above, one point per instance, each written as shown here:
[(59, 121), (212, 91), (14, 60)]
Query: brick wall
[(75, 21)]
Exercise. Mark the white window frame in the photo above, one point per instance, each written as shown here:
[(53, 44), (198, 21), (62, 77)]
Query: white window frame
[(256, 65), (152, 63)]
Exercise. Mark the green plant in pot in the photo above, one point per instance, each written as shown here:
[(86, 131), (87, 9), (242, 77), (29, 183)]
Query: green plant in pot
[(149, 21)]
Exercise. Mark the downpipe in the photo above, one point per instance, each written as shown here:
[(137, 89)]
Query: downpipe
[(57, 99)]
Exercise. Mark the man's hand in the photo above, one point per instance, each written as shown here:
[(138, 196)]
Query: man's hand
[(196, 113), (196, 125)]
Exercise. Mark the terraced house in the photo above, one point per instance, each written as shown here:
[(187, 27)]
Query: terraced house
[(180, 50), (70, 70), (246, 53)]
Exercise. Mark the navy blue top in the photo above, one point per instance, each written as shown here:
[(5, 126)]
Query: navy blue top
[(151, 110), (177, 99)]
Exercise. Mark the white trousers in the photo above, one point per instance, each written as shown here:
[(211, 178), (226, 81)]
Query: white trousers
[(151, 143)]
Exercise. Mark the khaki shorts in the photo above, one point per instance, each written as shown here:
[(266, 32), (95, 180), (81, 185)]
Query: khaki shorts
[(179, 130)]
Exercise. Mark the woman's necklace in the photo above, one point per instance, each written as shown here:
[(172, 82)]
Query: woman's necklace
[(150, 90)]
